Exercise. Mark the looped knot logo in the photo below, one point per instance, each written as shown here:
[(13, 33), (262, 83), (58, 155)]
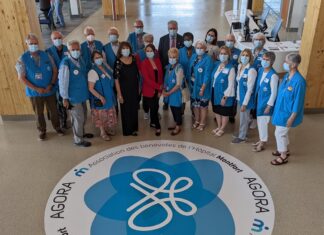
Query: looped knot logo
[(153, 196)]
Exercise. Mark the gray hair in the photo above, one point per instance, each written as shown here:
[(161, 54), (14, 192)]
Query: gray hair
[(147, 35), (113, 28), (270, 55), (259, 35), (88, 28), (31, 36), (202, 42), (173, 22), (72, 42), (294, 58)]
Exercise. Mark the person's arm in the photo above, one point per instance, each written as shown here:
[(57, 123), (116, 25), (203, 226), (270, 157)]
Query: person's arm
[(64, 80), (252, 74), (230, 91), (274, 89), (54, 75), (207, 75), (117, 85), (298, 103), (147, 70)]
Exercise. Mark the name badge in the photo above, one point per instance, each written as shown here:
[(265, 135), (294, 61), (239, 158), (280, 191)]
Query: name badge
[(235, 57), (265, 89), (200, 70), (259, 58), (49, 68), (103, 75), (245, 76), (173, 81), (266, 80), (225, 71), (290, 88), (38, 76), (244, 83), (76, 72), (222, 80)]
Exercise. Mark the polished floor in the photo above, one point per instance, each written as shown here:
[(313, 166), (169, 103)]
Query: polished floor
[(29, 169)]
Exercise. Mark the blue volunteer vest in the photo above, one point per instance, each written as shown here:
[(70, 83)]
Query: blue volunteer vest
[(184, 59), (243, 89), (257, 60), (78, 82), (132, 39), (40, 76), (221, 84), (86, 53), (104, 86), (110, 55), (170, 81), (263, 92), (235, 54), (52, 51)]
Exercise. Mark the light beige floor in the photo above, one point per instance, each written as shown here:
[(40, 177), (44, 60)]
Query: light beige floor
[(29, 169)]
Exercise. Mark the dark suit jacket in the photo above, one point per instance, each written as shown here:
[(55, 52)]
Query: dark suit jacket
[(164, 46)]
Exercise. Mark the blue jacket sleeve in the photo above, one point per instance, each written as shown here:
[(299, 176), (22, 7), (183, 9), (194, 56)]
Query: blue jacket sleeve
[(300, 97)]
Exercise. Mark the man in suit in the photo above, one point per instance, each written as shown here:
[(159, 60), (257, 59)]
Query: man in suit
[(172, 39)]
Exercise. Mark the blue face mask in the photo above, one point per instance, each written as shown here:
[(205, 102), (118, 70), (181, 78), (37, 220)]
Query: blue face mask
[(150, 54), (98, 61), (265, 64), (286, 67), (257, 43), (229, 44), (138, 30), (113, 38), (187, 43), (172, 61), (125, 52), (245, 60), (200, 52), (172, 32), (75, 54), (33, 48), (57, 42), (209, 39), (223, 58)]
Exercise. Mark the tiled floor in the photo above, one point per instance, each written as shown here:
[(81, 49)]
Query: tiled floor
[(30, 169)]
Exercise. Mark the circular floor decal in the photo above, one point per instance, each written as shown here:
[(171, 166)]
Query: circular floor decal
[(160, 187)]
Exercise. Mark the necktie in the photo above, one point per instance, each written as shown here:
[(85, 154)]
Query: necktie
[(173, 42)]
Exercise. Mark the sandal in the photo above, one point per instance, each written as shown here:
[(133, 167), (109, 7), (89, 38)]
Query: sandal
[(277, 162), (175, 131), (256, 143), (260, 147), (201, 127), (195, 125), (278, 154), (105, 137), (220, 133), (215, 131)]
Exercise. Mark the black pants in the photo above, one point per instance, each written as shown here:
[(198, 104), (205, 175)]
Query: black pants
[(177, 116), (61, 110), (153, 105), (146, 108)]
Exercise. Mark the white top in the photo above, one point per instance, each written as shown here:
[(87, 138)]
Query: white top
[(93, 76), (273, 85), (230, 91), (252, 74)]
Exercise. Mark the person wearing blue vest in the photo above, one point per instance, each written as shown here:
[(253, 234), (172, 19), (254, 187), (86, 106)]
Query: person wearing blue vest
[(111, 48), (73, 85), (173, 80), (200, 67), (265, 94), (185, 54), (38, 72), (289, 108), (235, 54), (88, 46), (102, 97), (136, 38), (246, 76), (259, 40), (58, 51), (223, 90)]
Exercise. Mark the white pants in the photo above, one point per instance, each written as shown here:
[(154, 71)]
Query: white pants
[(263, 122), (282, 139)]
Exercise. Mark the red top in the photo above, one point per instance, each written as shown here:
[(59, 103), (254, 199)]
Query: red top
[(149, 81)]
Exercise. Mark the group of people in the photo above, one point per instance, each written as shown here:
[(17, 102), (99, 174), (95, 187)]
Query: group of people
[(125, 72)]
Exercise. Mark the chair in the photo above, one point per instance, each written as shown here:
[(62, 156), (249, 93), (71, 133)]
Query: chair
[(275, 31), (46, 17), (261, 22)]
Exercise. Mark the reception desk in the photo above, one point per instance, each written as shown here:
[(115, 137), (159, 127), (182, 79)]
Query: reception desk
[(281, 49)]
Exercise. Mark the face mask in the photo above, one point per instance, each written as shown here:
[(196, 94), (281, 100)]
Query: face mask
[(209, 38), (138, 30), (229, 44), (33, 48), (150, 54), (187, 43), (75, 54), (245, 60), (113, 38), (257, 43), (223, 58), (172, 61), (98, 61), (173, 32), (265, 64), (286, 67), (57, 42), (90, 38), (200, 51), (125, 52)]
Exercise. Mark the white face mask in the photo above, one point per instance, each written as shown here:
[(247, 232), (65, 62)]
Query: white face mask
[(57, 42), (90, 38), (125, 52), (113, 38)]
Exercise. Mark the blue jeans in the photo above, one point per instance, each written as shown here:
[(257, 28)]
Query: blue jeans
[(58, 11)]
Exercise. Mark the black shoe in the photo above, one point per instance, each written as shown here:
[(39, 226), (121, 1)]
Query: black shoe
[(165, 106), (83, 144), (88, 135), (158, 132), (42, 136), (232, 119)]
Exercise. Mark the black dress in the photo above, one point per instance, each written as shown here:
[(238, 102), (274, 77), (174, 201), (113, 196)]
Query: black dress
[(128, 77)]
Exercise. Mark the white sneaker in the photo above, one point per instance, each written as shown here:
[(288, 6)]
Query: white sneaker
[(253, 124), (146, 116)]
